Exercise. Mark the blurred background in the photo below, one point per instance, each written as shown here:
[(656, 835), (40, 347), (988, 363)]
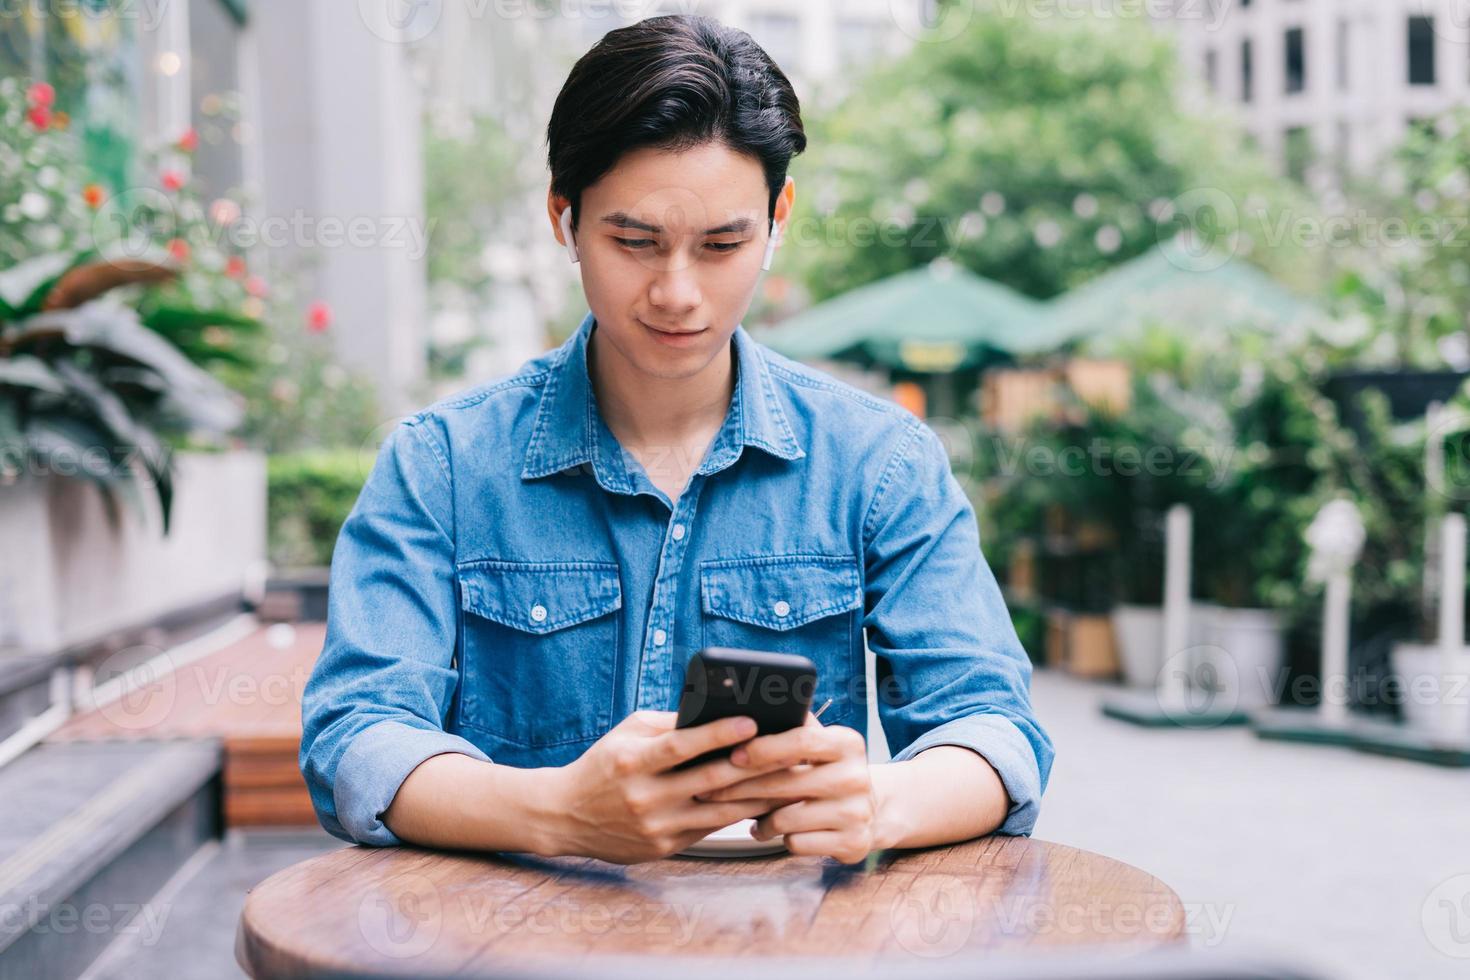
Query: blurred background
[(1129, 258)]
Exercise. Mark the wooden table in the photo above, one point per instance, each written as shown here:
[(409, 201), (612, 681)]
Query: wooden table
[(406, 911)]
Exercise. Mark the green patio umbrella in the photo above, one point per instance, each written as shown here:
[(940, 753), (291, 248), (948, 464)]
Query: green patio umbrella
[(938, 318), (1170, 284)]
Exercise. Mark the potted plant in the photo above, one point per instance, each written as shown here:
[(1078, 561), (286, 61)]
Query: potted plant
[(110, 334), (1251, 549), (1120, 470)]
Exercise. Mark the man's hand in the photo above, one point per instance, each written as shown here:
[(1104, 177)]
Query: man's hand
[(620, 802), (819, 777)]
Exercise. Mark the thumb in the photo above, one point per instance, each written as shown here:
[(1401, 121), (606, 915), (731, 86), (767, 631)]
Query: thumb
[(652, 722)]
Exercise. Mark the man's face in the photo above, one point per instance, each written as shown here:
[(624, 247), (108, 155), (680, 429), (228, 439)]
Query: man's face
[(673, 242)]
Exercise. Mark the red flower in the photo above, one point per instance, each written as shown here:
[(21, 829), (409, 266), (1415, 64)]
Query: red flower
[(318, 317), (94, 195), (172, 180), (224, 211), (40, 117), (179, 249), (188, 141), (256, 286), (235, 267), (42, 95)]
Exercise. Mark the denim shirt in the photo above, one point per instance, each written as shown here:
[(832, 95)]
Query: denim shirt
[(510, 583)]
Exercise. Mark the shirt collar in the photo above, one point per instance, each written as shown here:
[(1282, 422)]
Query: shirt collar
[(569, 432)]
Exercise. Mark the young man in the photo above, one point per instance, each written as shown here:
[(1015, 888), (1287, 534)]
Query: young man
[(532, 563)]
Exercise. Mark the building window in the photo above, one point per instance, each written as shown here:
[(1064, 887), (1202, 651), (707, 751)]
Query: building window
[(1296, 61), (1421, 50), (1212, 69), (1344, 46), (1298, 152), (1247, 75)]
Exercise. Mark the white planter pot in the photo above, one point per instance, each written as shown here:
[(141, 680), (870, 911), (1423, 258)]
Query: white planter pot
[(73, 578), (1243, 655), (1419, 667), (1139, 631), (28, 614)]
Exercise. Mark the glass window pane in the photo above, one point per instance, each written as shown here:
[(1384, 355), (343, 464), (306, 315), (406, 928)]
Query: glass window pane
[(1421, 50), (1296, 61)]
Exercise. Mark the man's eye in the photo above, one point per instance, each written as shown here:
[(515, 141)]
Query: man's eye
[(635, 242), (723, 246)]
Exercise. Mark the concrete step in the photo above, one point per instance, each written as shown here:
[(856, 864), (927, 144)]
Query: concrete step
[(244, 690), (25, 689), (191, 935), (92, 830)]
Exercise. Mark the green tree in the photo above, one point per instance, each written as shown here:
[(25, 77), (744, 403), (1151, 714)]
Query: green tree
[(1405, 288), (469, 182), (1036, 152)]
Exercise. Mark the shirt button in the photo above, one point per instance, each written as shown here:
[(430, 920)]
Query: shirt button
[(782, 607), (678, 532), (658, 637), (538, 612)]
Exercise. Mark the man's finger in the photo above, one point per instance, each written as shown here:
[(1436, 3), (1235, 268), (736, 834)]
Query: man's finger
[(713, 816), (827, 843), (803, 816), (705, 778), (799, 782), (809, 743), (653, 721), (683, 744)]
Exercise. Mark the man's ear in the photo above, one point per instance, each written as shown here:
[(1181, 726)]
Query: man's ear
[(555, 204), (559, 209), (779, 222), (785, 203)]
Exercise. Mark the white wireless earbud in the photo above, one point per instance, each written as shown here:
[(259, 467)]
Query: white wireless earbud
[(566, 233), (771, 244)]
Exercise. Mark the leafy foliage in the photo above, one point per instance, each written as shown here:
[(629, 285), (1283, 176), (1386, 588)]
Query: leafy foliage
[(1405, 289), (98, 318), (311, 494), (86, 392), (1036, 151)]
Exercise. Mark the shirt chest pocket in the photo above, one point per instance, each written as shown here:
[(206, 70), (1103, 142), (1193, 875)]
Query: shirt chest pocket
[(806, 604), (540, 648)]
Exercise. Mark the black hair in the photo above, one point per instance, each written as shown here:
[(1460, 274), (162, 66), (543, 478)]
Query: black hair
[(673, 83)]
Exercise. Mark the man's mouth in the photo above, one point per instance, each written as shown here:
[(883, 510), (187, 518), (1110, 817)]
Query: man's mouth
[(673, 336)]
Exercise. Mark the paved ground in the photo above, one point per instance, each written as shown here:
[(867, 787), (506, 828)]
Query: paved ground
[(1358, 864)]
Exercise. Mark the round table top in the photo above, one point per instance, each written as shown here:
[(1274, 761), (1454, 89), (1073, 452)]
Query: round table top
[(364, 911)]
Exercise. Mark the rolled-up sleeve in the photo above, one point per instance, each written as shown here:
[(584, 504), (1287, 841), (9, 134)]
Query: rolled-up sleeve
[(950, 668), (375, 703)]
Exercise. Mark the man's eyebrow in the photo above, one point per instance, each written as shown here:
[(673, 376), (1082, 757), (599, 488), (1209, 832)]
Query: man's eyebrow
[(621, 219)]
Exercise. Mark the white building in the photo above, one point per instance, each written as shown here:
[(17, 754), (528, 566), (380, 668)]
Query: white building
[(1328, 84), (814, 41)]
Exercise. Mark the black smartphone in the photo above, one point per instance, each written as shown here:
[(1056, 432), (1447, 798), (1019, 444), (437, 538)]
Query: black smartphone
[(720, 682)]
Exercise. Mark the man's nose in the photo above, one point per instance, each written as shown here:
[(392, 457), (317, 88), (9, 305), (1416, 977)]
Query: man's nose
[(675, 288)]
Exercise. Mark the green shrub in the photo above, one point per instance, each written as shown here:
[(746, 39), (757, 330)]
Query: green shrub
[(310, 495)]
